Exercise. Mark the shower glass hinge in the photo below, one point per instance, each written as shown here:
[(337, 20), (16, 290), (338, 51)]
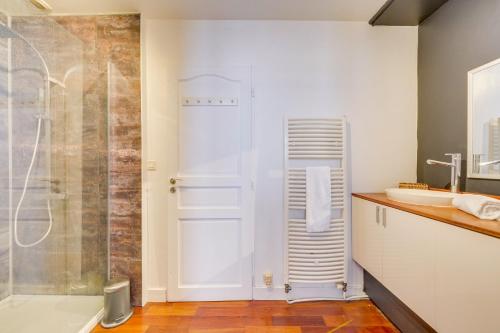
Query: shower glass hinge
[(288, 288)]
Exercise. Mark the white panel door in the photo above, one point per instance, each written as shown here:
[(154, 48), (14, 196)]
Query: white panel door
[(210, 222)]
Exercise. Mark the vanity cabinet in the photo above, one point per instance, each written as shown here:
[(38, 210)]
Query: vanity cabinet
[(447, 275), (396, 248)]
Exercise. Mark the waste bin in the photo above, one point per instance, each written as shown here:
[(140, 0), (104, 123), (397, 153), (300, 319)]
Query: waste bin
[(117, 308)]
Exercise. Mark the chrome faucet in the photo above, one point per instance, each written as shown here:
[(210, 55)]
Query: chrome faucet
[(489, 163), (456, 166)]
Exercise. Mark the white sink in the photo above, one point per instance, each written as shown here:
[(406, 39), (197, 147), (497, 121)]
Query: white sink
[(421, 197)]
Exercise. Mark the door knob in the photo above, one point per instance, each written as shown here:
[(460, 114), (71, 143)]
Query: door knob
[(172, 190)]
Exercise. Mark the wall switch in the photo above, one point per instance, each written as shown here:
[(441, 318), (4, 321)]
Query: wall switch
[(151, 165), (268, 279)]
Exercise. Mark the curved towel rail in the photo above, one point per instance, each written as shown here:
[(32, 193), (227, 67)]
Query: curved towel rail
[(314, 258)]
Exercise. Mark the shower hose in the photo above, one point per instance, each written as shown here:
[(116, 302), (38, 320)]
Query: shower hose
[(23, 194)]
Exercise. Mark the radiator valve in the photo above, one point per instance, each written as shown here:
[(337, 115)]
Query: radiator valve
[(342, 286)]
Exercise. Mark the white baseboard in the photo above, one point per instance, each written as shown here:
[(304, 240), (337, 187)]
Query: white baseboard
[(263, 293), (268, 294), (356, 290), (259, 293), (156, 295), (93, 322)]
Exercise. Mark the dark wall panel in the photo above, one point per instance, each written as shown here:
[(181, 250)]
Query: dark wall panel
[(458, 37), (405, 12)]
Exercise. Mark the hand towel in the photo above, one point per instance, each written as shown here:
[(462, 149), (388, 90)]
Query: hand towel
[(480, 206), (318, 199)]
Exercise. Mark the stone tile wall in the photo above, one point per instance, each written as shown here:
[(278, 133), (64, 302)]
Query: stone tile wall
[(112, 46)]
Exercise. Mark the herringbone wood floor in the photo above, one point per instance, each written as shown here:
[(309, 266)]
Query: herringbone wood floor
[(256, 317)]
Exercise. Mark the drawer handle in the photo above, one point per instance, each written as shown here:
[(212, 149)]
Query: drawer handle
[(384, 217)]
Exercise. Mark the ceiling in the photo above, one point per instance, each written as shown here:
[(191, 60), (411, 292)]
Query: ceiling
[(339, 10)]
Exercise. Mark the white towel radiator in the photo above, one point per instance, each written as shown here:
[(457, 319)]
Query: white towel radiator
[(314, 259)]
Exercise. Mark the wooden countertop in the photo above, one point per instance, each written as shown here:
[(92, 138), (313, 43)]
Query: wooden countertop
[(449, 215)]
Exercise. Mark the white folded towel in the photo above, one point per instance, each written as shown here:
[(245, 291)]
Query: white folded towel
[(480, 206), (318, 199)]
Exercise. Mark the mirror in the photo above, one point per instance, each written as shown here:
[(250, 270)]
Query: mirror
[(484, 122)]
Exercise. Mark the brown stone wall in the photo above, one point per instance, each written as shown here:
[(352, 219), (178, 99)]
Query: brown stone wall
[(121, 36), (112, 46)]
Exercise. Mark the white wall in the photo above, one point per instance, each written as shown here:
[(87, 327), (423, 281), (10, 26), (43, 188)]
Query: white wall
[(340, 68)]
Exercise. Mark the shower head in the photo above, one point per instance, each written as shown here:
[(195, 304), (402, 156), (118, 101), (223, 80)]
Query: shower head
[(6, 32)]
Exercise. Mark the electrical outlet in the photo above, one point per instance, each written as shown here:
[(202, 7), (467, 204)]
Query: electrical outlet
[(268, 279)]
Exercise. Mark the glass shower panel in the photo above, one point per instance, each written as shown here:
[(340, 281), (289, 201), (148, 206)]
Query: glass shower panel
[(27, 99), (54, 119), (4, 168), (53, 171)]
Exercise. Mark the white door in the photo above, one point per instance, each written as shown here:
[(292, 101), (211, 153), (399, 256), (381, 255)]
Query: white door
[(210, 227)]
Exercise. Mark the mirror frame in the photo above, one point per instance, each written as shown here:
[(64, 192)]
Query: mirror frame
[(470, 120)]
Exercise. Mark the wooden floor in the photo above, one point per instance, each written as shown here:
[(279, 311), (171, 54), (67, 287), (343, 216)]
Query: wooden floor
[(256, 317)]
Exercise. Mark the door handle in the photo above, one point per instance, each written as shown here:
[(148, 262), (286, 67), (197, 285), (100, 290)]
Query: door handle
[(174, 181), (377, 218)]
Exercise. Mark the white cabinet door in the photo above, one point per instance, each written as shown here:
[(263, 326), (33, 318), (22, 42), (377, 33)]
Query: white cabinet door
[(408, 260), (467, 281), (367, 236)]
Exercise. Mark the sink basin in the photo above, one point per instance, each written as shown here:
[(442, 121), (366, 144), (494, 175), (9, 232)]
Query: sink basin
[(421, 197)]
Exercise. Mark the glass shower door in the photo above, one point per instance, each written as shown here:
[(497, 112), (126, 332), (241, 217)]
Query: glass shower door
[(67, 187)]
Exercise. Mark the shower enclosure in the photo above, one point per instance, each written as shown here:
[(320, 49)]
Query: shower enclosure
[(53, 176)]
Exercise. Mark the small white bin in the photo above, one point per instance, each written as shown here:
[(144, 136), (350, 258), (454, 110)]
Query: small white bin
[(117, 308)]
